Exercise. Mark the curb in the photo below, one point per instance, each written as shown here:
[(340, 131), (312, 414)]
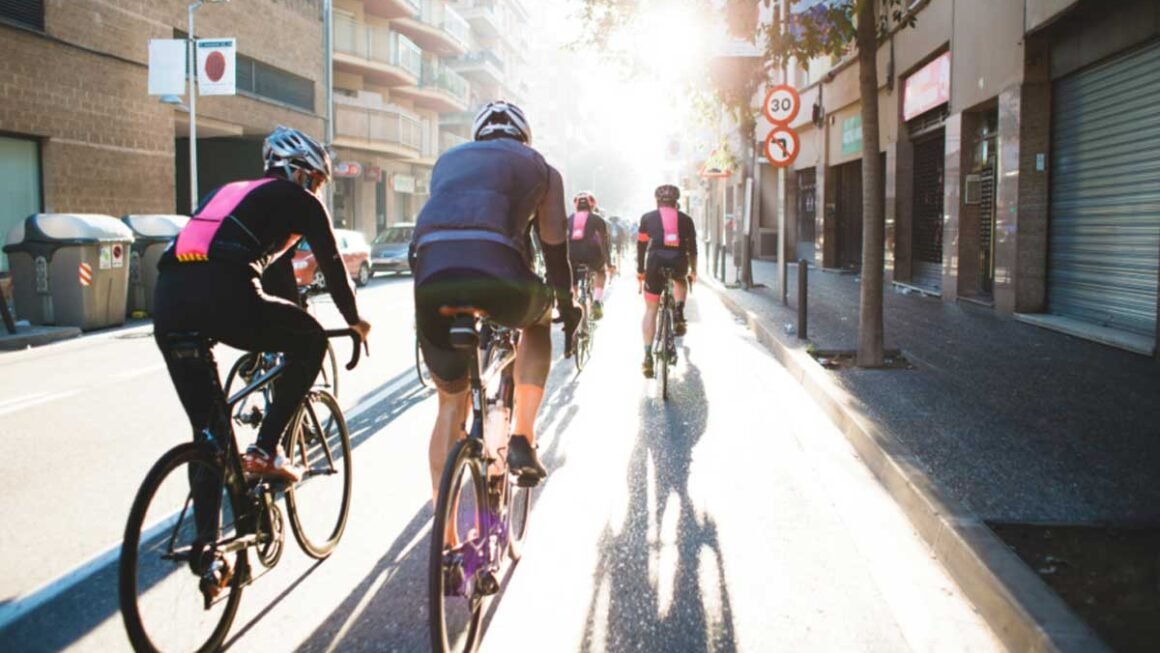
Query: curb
[(1023, 612), (36, 337)]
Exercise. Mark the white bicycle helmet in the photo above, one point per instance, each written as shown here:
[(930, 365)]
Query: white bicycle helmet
[(501, 119), (293, 150)]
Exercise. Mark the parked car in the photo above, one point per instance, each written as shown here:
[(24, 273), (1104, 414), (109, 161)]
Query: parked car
[(389, 248), (355, 254)]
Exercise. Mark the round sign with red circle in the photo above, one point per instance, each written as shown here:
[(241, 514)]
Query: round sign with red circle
[(781, 146), (781, 105), (215, 66)]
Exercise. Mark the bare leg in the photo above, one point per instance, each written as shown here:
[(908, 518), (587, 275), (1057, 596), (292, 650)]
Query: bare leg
[(649, 325), (601, 278), (533, 361), (680, 290), (448, 429)]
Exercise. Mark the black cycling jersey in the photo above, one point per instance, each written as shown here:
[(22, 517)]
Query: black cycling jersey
[(653, 238), (588, 239), (263, 221)]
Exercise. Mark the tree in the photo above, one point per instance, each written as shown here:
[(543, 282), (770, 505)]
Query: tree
[(829, 28)]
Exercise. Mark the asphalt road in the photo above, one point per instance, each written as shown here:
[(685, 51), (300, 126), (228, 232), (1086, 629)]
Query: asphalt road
[(733, 517)]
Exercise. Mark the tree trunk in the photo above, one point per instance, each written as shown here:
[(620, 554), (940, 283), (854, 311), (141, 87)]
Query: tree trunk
[(873, 227)]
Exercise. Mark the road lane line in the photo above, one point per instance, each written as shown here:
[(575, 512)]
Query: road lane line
[(35, 400)]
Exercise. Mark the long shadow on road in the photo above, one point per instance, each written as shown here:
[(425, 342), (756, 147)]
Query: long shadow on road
[(65, 619), (656, 587)]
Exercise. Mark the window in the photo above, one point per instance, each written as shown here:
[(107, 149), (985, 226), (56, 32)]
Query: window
[(20, 194), (29, 13)]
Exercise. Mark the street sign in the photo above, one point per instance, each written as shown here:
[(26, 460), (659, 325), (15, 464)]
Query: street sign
[(717, 166), (216, 66), (781, 105), (781, 147), (347, 169)]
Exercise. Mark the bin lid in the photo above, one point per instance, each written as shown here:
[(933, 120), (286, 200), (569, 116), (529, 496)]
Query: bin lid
[(155, 226), (69, 228)]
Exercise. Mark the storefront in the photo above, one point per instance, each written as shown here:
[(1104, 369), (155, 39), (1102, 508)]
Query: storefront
[(925, 97), (1104, 226)]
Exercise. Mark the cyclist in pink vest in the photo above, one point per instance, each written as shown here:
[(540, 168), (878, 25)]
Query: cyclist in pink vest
[(667, 238), (588, 244), (210, 282)]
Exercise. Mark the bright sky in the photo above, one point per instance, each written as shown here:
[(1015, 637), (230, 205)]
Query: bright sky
[(615, 121)]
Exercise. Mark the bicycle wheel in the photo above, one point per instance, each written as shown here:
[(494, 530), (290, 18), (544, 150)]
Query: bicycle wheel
[(519, 508), (581, 346), (665, 329), (328, 375), (163, 557), (457, 541), (319, 503)]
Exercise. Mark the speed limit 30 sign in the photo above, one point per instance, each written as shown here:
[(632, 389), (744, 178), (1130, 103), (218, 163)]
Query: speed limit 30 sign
[(781, 105), (781, 146)]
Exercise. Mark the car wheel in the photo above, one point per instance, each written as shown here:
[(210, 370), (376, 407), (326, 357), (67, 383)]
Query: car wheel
[(364, 275)]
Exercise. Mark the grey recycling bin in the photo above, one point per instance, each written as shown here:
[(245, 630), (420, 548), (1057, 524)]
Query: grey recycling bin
[(152, 234), (70, 269)]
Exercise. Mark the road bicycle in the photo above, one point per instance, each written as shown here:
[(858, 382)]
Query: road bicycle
[(421, 369), (665, 342), (481, 515), (185, 555), (585, 333)]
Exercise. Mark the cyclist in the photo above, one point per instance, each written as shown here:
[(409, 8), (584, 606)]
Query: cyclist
[(588, 244), (210, 281), (619, 237), (667, 238), (471, 247)]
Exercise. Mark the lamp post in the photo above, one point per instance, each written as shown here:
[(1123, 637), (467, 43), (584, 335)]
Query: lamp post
[(193, 191)]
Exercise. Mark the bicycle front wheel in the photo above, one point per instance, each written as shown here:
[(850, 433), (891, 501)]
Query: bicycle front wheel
[(328, 376), (457, 539), (183, 513), (319, 503)]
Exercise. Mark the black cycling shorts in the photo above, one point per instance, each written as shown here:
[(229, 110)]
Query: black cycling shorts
[(654, 282), (582, 252), (480, 274)]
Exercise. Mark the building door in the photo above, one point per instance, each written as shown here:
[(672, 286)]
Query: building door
[(807, 213), (344, 202), (20, 194), (1104, 228), (927, 238), (849, 213)]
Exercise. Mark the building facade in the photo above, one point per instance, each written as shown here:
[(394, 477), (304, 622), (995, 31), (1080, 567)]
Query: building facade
[(408, 75), (80, 133), (1022, 165)]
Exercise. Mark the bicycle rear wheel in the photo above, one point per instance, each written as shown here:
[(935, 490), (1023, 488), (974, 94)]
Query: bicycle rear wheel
[(421, 370), (457, 540), (163, 557), (665, 337), (319, 503)]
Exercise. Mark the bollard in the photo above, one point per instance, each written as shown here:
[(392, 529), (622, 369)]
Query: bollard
[(803, 286)]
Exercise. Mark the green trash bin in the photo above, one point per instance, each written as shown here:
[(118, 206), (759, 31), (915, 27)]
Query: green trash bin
[(151, 235), (70, 269)]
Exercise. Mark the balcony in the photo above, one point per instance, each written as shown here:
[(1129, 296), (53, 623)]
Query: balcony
[(484, 67), (383, 56), (440, 89), (457, 118), (483, 15), (437, 28), (391, 8), (385, 130), (448, 140)]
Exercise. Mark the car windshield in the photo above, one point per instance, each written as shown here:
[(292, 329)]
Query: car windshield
[(394, 235)]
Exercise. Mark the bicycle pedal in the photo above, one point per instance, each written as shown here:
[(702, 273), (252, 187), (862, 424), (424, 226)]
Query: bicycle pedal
[(488, 583)]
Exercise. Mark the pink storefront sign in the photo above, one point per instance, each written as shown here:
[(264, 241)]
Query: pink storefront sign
[(927, 88)]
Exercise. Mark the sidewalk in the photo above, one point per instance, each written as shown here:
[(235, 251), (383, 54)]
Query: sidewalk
[(1018, 423), (1000, 429)]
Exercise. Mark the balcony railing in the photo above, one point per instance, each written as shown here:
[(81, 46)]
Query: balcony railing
[(439, 14), (448, 140), (485, 56), (375, 43), (377, 125), (445, 79)]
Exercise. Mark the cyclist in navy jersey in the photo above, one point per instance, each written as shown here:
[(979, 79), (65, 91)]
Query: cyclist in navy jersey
[(472, 247), (667, 238), (210, 282)]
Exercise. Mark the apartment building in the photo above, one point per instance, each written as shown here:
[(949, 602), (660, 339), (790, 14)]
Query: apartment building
[(80, 133), (1022, 162)]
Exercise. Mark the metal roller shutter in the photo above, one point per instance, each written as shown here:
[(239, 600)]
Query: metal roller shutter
[(928, 212), (1104, 235)]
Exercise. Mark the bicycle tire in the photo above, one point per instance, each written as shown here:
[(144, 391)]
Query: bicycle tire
[(318, 457), (172, 571), (421, 369), (666, 325), (328, 376), (466, 606)]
